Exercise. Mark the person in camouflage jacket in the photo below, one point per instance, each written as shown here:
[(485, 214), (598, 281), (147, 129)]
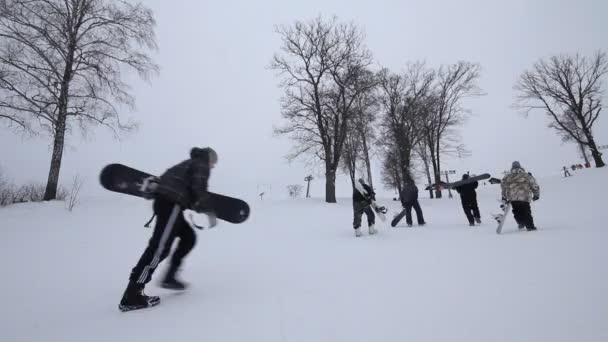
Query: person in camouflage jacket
[(183, 186), (519, 188)]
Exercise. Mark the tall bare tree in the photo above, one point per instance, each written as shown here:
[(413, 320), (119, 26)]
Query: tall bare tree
[(422, 151), (403, 101), (323, 63), (366, 109), (61, 65), (360, 133), (390, 172), (454, 83), (569, 89), (574, 129), (351, 152)]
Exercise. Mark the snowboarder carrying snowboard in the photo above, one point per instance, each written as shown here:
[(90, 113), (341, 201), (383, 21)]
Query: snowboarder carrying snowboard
[(363, 195), (468, 198), (519, 188), (180, 187), (409, 200)]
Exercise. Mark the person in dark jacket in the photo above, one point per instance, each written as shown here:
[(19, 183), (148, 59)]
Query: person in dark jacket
[(468, 198), (409, 200), (363, 195), (183, 186)]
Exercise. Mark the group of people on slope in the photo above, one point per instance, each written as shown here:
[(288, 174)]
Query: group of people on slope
[(519, 188)]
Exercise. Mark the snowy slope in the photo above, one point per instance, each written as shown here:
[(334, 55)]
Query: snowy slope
[(295, 272)]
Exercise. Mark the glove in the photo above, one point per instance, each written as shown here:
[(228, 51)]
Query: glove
[(535, 198), (194, 218)]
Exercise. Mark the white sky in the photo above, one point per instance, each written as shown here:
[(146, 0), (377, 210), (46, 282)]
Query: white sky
[(214, 88)]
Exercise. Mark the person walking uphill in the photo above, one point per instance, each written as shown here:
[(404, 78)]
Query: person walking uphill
[(183, 186), (468, 198), (519, 188), (409, 200), (363, 195)]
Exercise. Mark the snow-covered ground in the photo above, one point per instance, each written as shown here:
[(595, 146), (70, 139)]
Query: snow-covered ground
[(295, 272)]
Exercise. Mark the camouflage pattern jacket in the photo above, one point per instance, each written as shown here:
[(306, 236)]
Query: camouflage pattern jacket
[(518, 185)]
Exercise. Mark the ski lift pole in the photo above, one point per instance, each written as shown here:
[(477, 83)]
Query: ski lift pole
[(308, 179), (447, 180)]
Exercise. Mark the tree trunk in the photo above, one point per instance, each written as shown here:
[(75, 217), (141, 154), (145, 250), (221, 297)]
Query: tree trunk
[(436, 174), (330, 185), (583, 152), (59, 135), (399, 184), (352, 173), (428, 176), (53, 180), (438, 169), (368, 165), (595, 153)]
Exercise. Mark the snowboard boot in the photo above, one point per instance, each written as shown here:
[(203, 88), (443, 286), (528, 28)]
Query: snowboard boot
[(358, 232), (478, 220), (521, 226), (170, 282), (472, 224), (134, 298), (372, 230), (531, 228)]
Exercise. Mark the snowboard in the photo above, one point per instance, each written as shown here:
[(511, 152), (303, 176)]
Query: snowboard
[(126, 180), (379, 210), (502, 217), (466, 181), (398, 218)]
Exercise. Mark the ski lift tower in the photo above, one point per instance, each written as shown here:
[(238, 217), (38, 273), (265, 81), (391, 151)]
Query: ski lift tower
[(308, 179), (447, 179)]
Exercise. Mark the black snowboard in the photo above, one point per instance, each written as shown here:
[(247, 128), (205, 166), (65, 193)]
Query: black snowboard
[(398, 218), (461, 182), (126, 180), (445, 185)]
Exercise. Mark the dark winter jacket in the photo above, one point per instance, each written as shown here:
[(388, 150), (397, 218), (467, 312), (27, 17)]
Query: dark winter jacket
[(409, 194), (186, 182), (467, 192), (359, 197)]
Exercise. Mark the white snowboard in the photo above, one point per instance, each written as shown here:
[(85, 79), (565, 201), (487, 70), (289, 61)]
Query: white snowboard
[(501, 218)]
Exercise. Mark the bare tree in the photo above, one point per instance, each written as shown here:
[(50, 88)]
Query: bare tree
[(73, 197), (569, 89), (422, 151), (351, 153), (323, 63), (403, 100), (366, 110), (391, 173), (360, 132), (294, 190), (573, 128), (61, 65), (455, 82)]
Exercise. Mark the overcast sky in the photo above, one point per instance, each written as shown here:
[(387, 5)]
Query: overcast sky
[(214, 88)]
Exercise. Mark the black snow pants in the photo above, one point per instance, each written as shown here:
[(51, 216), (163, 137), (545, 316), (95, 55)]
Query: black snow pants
[(359, 208), (471, 209), (523, 213), (408, 212), (170, 223)]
